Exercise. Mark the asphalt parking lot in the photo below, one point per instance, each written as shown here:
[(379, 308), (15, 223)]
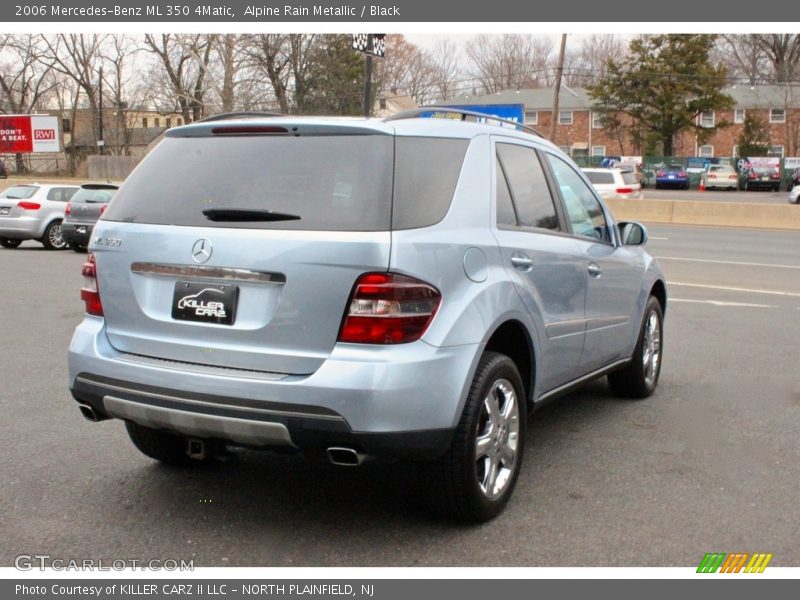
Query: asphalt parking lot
[(750, 197), (710, 463)]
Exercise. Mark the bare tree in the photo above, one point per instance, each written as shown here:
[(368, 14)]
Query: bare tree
[(510, 61), (122, 86), (184, 60), (445, 69), (77, 56), (744, 57), (783, 51), (589, 62), (269, 54)]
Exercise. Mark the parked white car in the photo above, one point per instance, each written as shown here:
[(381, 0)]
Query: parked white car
[(34, 212), (615, 183), (720, 176), (794, 195)]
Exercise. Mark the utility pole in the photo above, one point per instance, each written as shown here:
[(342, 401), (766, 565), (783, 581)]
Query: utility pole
[(557, 88), (368, 86), (100, 102)]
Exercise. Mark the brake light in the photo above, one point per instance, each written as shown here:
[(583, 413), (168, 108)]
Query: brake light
[(624, 190), (753, 176), (660, 173), (68, 209), (387, 308), (90, 293), (712, 176), (682, 174), (103, 209), (776, 175), (25, 205)]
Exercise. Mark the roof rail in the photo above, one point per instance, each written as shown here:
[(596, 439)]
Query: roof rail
[(239, 115), (418, 112)]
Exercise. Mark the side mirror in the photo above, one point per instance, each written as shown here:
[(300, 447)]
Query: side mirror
[(632, 233)]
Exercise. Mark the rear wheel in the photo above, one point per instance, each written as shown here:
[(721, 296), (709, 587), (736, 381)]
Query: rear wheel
[(160, 445), (9, 243), (474, 479), (52, 238), (640, 377)]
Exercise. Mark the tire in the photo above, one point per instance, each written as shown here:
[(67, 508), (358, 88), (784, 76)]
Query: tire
[(640, 378), (160, 445), (77, 247), (52, 239), (9, 243), (465, 482)]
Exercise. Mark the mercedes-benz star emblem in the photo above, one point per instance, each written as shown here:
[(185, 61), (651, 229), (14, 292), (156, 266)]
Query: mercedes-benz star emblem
[(201, 251)]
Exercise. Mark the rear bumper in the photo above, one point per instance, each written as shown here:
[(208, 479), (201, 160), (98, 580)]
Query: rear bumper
[(390, 402), (71, 232), (21, 228)]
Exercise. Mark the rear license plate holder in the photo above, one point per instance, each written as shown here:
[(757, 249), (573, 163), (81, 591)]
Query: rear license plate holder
[(5, 211), (204, 303)]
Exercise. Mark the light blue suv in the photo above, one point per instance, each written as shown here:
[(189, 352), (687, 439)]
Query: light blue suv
[(407, 288)]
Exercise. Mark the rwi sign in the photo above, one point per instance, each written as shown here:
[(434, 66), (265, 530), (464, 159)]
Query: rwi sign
[(44, 134)]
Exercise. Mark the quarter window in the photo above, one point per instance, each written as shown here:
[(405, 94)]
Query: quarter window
[(528, 187), (583, 208)]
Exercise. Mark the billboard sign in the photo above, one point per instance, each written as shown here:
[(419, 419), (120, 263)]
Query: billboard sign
[(23, 134), (510, 112)]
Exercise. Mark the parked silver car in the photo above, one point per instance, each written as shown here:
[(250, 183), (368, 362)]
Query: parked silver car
[(407, 288), (34, 212)]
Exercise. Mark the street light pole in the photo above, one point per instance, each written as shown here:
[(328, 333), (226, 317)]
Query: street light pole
[(100, 102), (368, 86)]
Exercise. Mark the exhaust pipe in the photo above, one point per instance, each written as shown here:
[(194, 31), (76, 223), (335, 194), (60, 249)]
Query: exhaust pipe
[(346, 457), (89, 413)]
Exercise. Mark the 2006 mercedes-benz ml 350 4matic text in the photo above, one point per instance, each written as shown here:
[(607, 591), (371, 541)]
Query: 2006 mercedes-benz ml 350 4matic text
[(406, 288)]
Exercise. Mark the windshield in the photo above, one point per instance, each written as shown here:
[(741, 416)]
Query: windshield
[(600, 176)]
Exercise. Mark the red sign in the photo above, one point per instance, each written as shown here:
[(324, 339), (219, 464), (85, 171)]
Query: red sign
[(15, 134)]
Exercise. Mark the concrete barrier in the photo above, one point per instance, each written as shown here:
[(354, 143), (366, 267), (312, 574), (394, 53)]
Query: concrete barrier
[(697, 212)]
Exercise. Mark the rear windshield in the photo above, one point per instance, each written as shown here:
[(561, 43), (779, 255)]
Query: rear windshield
[(19, 192), (600, 177), (333, 183), (94, 195)]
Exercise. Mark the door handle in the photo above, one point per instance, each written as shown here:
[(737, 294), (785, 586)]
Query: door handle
[(594, 270), (521, 262)]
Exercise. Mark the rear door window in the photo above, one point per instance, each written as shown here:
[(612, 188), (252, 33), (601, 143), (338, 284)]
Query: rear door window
[(600, 177), (629, 177), (528, 186)]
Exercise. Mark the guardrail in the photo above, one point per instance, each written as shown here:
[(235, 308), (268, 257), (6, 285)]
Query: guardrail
[(725, 214)]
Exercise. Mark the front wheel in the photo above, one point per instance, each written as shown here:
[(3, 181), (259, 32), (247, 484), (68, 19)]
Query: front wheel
[(9, 243), (474, 479), (640, 377), (52, 238)]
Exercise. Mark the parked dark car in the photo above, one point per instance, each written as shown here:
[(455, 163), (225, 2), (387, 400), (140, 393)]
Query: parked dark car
[(795, 180), (3, 170), (83, 211), (674, 176), (761, 178)]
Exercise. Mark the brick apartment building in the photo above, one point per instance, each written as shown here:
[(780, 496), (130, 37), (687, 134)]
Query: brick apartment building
[(580, 130)]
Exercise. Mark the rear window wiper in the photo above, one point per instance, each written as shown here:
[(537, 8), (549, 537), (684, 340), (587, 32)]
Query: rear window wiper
[(247, 214)]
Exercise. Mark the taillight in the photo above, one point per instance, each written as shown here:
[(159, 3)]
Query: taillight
[(753, 176), (387, 308), (682, 174), (25, 205), (103, 209), (776, 175), (68, 209), (660, 173), (624, 190), (90, 293), (712, 176)]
